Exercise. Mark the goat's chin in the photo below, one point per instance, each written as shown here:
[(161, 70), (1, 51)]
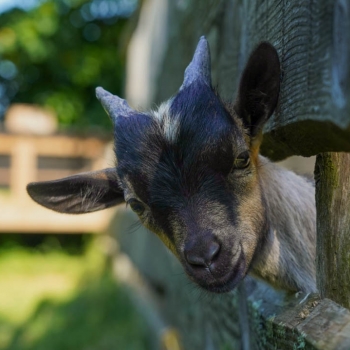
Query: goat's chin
[(224, 283), (223, 286)]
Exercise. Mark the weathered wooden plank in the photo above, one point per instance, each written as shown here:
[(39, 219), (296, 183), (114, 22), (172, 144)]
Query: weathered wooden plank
[(56, 146), (22, 164), (333, 226), (312, 38)]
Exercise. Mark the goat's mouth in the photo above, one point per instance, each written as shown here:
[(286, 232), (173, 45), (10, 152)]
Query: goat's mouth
[(217, 282)]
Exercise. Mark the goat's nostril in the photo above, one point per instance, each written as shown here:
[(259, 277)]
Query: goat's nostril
[(194, 259), (203, 257), (213, 251)]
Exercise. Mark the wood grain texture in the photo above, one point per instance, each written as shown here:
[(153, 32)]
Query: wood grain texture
[(332, 174), (312, 39)]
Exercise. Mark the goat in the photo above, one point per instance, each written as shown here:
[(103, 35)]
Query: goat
[(192, 173)]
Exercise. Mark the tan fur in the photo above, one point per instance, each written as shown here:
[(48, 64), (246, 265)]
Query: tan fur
[(287, 259), (255, 147), (251, 218)]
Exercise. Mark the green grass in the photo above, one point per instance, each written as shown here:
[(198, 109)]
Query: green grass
[(5, 191), (54, 300)]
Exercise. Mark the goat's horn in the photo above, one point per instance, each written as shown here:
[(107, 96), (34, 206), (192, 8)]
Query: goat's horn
[(199, 68), (113, 105)]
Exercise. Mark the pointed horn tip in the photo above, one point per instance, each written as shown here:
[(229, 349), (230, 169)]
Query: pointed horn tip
[(200, 64), (113, 104), (202, 50), (203, 43), (101, 92)]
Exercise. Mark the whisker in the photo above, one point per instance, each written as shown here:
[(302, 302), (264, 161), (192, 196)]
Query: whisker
[(134, 226)]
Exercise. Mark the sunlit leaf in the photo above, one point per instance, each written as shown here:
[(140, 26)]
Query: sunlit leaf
[(59, 52)]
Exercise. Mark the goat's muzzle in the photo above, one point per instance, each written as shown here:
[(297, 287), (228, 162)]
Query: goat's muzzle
[(202, 257), (213, 267)]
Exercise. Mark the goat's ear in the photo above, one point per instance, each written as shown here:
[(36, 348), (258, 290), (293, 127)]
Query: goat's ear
[(259, 88), (78, 194)]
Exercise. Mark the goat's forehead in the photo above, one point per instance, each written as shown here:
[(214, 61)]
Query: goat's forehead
[(197, 112), (194, 117), (190, 132)]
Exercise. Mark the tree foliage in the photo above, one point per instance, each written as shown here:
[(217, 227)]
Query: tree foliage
[(57, 53)]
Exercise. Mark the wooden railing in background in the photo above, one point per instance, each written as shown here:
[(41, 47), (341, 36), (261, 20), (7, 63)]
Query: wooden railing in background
[(24, 159)]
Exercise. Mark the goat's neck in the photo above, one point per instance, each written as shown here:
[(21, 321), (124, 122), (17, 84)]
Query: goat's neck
[(287, 256)]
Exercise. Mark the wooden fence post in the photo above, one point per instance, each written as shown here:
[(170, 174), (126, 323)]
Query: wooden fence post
[(332, 174), (23, 168)]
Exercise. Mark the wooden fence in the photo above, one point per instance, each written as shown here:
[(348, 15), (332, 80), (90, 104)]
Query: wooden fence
[(38, 158), (313, 117)]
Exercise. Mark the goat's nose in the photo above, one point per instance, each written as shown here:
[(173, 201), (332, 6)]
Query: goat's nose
[(202, 256)]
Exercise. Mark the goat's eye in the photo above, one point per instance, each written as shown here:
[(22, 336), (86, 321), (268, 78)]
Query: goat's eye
[(136, 206), (242, 161)]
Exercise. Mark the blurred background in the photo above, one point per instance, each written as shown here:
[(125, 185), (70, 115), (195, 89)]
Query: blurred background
[(57, 287), (61, 286)]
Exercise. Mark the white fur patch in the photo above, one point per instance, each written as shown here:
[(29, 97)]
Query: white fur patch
[(168, 124)]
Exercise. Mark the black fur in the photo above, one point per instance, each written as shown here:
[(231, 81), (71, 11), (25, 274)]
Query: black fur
[(185, 182)]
